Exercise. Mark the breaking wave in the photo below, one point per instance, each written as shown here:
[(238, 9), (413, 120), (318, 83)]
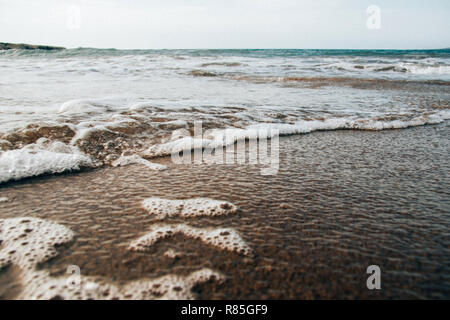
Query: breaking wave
[(70, 109), (148, 132)]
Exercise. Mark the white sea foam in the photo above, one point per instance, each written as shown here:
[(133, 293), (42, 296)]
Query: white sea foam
[(356, 124), (162, 208), (183, 144), (27, 241), (86, 106), (223, 137), (427, 70), (135, 159), (212, 139), (429, 67), (40, 158), (223, 238), (3, 199), (40, 285)]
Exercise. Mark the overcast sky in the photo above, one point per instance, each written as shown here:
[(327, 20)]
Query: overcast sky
[(226, 23)]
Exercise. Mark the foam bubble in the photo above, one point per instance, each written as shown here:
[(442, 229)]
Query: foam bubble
[(188, 208), (427, 69), (40, 158), (307, 126), (223, 238), (83, 106), (40, 285), (135, 159), (182, 144), (169, 287), (27, 241)]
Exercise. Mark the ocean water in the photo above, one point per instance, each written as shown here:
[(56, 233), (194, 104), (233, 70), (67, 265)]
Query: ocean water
[(103, 103), (363, 174)]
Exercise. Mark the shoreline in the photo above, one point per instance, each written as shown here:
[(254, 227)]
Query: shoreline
[(87, 162)]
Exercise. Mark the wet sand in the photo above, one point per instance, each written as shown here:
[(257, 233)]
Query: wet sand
[(341, 201)]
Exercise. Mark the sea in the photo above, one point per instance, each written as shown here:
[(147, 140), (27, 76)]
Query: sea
[(88, 187), (101, 103)]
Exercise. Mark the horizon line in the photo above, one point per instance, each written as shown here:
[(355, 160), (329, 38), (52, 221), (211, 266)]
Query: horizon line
[(262, 48), (235, 48)]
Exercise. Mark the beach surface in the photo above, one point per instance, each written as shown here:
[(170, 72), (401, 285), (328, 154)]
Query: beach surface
[(340, 202)]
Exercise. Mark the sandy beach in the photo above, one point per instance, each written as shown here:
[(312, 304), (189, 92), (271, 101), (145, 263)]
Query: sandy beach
[(342, 200)]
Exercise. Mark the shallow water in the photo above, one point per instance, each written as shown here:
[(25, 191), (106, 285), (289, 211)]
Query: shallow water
[(104, 103), (341, 201)]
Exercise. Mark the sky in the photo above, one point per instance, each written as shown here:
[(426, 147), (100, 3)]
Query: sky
[(200, 24)]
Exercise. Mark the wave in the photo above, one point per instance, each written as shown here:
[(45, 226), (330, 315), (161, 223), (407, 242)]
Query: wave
[(256, 53), (130, 141), (153, 97), (428, 69), (222, 137), (299, 59), (360, 82), (43, 157)]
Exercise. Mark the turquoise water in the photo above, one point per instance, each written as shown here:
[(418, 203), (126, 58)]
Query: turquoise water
[(256, 53)]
